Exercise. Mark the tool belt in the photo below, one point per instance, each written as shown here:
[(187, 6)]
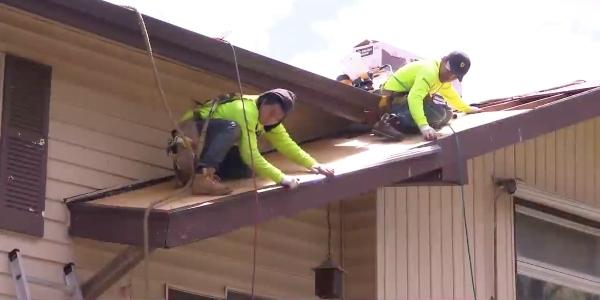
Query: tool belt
[(391, 97), (185, 147)]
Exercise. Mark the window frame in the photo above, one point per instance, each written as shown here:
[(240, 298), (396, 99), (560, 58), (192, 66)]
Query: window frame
[(248, 293), (169, 286), (551, 273), (557, 275)]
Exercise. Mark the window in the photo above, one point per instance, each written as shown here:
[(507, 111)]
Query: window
[(533, 289), (25, 93), (179, 294), (235, 295), (557, 259)]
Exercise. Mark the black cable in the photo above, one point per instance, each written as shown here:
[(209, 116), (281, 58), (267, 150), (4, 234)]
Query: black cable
[(461, 172)]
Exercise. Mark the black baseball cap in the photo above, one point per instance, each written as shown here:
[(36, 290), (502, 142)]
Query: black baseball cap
[(459, 63)]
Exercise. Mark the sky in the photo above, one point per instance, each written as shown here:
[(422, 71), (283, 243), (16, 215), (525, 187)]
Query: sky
[(515, 46)]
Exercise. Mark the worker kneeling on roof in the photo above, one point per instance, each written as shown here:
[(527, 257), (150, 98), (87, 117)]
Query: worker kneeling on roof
[(235, 120), (412, 97)]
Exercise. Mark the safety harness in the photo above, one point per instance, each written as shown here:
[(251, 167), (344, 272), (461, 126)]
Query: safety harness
[(179, 141)]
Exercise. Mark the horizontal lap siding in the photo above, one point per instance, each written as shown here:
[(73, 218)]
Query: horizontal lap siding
[(360, 247), (422, 245), (287, 251), (108, 127)]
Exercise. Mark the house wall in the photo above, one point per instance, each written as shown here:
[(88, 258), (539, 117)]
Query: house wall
[(421, 249), (107, 128), (287, 250), (359, 240)]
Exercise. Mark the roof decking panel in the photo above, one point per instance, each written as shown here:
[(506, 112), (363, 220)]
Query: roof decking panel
[(344, 154)]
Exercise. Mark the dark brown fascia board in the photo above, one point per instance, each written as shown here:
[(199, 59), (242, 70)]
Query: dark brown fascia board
[(117, 224), (505, 132), (198, 51), (492, 136), (189, 224)]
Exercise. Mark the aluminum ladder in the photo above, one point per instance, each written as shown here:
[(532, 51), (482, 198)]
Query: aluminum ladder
[(22, 281)]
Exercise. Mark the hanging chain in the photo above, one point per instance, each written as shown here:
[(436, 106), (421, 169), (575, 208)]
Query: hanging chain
[(329, 231)]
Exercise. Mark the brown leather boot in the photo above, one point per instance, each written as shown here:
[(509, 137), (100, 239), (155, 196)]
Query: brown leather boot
[(208, 183)]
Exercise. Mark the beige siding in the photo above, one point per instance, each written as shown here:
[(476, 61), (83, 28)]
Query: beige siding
[(422, 249), (108, 127), (359, 253), (288, 248)]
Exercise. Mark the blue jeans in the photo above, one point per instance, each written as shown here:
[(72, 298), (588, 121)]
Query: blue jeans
[(220, 151), (438, 114)]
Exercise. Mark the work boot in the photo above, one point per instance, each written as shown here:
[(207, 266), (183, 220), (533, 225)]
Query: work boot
[(208, 183), (384, 128)]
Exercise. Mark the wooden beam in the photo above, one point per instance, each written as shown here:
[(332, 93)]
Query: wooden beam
[(112, 272)]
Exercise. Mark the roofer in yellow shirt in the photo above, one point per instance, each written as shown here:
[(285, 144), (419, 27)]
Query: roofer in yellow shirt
[(416, 97), (235, 124)]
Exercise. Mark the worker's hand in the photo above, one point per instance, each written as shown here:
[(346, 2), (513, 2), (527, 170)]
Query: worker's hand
[(428, 133), (319, 169), (474, 110), (290, 182)]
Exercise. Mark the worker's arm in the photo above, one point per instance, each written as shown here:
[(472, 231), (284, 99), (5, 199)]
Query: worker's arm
[(261, 166), (453, 98), (417, 93), (284, 144)]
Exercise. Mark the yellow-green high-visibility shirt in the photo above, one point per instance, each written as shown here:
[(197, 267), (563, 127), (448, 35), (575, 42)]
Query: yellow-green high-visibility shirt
[(277, 136), (420, 78)]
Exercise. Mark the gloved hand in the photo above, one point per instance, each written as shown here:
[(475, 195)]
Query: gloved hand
[(428, 133), (319, 169), (290, 182), (474, 110)]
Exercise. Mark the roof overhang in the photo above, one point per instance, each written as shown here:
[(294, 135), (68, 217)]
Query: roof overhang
[(197, 51), (191, 223), (170, 228)]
